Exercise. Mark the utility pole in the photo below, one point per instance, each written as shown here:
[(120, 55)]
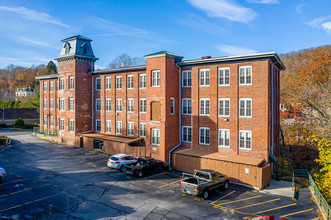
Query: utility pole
[(3, 115)]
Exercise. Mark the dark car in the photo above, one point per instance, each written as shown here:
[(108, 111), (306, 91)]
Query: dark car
[(143, 165)]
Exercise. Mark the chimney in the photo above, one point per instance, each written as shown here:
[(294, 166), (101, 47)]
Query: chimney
[(206, 57)]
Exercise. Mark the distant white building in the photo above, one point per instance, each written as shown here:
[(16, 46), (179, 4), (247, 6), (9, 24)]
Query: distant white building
[(24, 92)]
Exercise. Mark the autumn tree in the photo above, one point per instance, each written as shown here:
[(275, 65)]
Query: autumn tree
[(125, 60)]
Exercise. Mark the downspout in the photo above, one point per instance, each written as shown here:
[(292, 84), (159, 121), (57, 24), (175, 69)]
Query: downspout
[(180, 114)]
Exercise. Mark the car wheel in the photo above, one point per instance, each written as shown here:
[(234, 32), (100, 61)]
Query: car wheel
[(122, 168), (140, 174), (226, 185), (205, 195)]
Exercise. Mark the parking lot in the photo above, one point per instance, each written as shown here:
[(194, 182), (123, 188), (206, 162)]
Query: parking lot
[(52, 181)]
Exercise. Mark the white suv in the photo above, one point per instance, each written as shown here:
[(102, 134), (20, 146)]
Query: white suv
[(118, 160)]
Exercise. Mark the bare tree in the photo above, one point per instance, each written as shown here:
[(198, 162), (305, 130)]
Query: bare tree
[(125, 60)]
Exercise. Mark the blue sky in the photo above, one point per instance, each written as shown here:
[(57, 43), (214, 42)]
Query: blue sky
[(31, 31)]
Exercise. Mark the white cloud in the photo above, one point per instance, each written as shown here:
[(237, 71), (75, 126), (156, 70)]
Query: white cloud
[(235, 51), (34, 15), (38, 43), (225, 9), (322, 22), (267, 2), (97, 67), (298, 9), (27, 61)]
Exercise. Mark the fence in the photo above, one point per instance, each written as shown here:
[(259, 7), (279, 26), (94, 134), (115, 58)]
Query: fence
[(47, 132), (320, 200)]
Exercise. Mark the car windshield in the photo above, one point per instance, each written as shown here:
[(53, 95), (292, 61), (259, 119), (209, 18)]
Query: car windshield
[(141, 161), (202, 175), (114, 158)]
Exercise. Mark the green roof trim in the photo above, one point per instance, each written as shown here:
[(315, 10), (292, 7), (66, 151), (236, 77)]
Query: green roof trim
[(53, 76), (79, 37), (164, 53)]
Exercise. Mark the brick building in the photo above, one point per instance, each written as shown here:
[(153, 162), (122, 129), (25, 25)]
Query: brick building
[(217, 113)]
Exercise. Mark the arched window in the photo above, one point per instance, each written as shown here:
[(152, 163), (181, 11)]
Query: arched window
[(67, 47)]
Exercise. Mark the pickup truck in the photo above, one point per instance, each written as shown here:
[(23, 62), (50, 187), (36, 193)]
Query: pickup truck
[(142, 166), (202, 182)]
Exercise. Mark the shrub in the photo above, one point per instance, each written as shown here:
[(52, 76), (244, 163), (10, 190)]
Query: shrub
[(19, 123)]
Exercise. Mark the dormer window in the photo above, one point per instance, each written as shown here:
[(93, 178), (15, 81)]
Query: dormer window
[(67, 47), (85, 48)]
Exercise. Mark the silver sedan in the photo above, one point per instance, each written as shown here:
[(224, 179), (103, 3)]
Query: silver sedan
[(2, 174), (118, 160)]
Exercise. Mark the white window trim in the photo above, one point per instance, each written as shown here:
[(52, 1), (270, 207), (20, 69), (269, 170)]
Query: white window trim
[(117, 105), (204, 99), (61, 119), (155, 71), (73, 106), (63, 84), (106, 105), (204, 78), (140, 130), (106, 79), (51, 106), (186, 99), (45, 87), (245, 131), (152, 136), (245, 99), (96, 105), (70, 83), (118, 122), (51, 88), (145, 106), (186, 71), (172, 100), (45, 120), (62, 109), (45, 103), (51, 119), (218, 135), (145, 81), (127, 129), (96, 83), (127, 105), (96, 125), (200, 128), (108, 122), (245, 84), (187, 127), (117, 77), (223, 116), (127, 81), (219, 73), (70, 120)]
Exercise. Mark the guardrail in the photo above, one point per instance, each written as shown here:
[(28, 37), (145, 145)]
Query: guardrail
[(47, 132), (320, 200)]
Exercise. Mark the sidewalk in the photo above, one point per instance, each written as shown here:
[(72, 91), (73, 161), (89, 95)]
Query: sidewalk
[(282, 188)]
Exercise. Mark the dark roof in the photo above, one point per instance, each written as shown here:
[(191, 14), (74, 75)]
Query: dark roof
[(53, 76), (260, 56), (79, 37), (119, 70)]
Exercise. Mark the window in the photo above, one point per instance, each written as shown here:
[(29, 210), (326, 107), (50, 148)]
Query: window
[(142, 105), (130, 129), (224, 137), (224, 107), (71, 104), (186, 79), (142, 130), (71, 125), (204, 135), (224, 76), (108, 83), (186, 134), (142, 81), (155, 137), (51, 120), (98, 104), (45, 103), (61, 83), (118, 105), (61, 104), (204, 77), (57, 103), (118, 82), (130, 105), (97, 84), (98, 125), (156, 78), (45, 86), (245, 75), (51, 86), (57, 85), (57, 121), (61, 124), (108, 105), (129, 82), (51, 105), (204, 107), (45, 120), (108, 126), (186, 106), (72, 83), (245, 140), (245, 107), (118, 127), (172, 106)]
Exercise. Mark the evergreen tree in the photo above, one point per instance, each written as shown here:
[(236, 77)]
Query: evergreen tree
[(51, 68)]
